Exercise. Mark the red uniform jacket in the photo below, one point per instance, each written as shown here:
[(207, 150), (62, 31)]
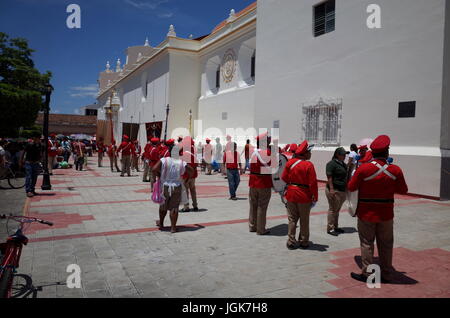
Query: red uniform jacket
[(190, 158), (382, 188), (127, 148), (302, 182), (163, 152), (146, 155), (258, 180), (52, 144), (208, 153), (231, 160), (112, 150)]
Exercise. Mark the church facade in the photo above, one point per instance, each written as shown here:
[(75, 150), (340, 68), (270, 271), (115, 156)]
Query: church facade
[(315, 70)]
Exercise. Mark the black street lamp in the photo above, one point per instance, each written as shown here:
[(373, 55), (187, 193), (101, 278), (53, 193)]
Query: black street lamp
[(46, 185), (167, 120)]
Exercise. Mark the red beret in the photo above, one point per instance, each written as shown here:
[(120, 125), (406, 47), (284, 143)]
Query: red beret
[(293, 148), (380, 144), (363, 147), (154, 140), (368, 157), (170, 142), (207, 139), (303, 148), (126, 137), (264, 135), (52, 135)]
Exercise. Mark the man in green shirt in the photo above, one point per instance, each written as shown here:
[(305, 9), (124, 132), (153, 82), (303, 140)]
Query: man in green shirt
[(336, 171)]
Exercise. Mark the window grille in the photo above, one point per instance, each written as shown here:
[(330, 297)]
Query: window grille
[(322, 121), (324, 17)]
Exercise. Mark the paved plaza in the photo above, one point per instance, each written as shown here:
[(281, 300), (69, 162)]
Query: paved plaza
[(106, 225)]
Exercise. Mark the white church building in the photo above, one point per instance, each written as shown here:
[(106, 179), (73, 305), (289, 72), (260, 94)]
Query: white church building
[(333, 72)]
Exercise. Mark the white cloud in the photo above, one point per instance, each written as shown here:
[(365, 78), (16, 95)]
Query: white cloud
[(55, 111), (90, 90), (77, 111), (165, 15), (151, 4)]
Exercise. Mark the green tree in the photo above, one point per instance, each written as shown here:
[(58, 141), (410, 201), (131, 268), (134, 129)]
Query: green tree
[(21, 86)]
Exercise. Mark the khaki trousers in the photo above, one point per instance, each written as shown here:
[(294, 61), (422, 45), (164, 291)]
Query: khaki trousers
[(148, 174), (335, 204), (135, 163), (113, 162), (189, 185), (383, 233), (259, 201), (126, 165), (296, 212), (51, 163)]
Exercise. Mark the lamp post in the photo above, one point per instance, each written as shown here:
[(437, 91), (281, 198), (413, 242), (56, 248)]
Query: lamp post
[(167, 120), (46, 185), (190, 122)]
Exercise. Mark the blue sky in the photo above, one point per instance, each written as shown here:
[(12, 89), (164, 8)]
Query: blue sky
[(108, 27)]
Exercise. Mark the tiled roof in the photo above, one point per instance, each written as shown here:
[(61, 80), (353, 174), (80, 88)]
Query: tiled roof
[(239, 14), (69, 119)]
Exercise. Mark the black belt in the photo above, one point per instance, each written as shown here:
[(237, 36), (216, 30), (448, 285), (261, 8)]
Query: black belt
[(377, 200), (299, 185), (259, 174)]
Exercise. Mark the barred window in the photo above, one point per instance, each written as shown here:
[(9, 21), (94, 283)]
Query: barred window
[(324, 17), (322, 122)]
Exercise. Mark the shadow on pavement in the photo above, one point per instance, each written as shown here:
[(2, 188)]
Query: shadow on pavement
[(398, 278), (349, 230), (318, 247), (279, 230)]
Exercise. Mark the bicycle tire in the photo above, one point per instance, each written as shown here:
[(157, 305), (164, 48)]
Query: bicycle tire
[(17, 181), (5, 282)]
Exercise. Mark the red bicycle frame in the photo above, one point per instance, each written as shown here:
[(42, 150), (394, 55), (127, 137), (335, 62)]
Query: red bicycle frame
[(12, 249)]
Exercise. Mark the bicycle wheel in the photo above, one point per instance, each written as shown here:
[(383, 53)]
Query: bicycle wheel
[(5, 283), (17, 180)]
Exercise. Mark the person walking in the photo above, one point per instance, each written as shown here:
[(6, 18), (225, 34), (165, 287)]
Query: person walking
[(336, 172), (208, 155), (170, 170), (246, 152), (136, 155), (232, 162), (218, 154), (377, 182), (52, 152), (301, 194), (127, 149), (31, 158), (188, 156), (80, 154), (67, 149), (112, 154), (100, 151), (146, 159), (260, 184)]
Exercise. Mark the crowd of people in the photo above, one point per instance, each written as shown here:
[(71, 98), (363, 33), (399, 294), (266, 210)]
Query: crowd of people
[(172, 167)]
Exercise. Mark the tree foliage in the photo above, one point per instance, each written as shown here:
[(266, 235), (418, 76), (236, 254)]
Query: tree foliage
[(21, 86)]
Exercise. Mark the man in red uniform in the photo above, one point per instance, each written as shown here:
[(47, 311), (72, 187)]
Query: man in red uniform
[(232, 162), (127, 149), (188, 155), (52, 151), (301, 194), (377, 181), (112, 154), (136, 155), (260, 184), (150, 147), (165, 148)]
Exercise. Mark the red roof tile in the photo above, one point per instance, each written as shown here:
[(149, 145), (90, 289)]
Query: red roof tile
[(239, 14)]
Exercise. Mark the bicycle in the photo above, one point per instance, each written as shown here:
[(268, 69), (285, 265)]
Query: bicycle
[(11, 250), (15, 178)]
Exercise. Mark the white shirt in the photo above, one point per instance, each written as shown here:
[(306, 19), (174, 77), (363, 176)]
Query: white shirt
[(352, 156), (171, 172)]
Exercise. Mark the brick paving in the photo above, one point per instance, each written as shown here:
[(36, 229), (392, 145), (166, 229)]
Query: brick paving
[(106, 225)]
